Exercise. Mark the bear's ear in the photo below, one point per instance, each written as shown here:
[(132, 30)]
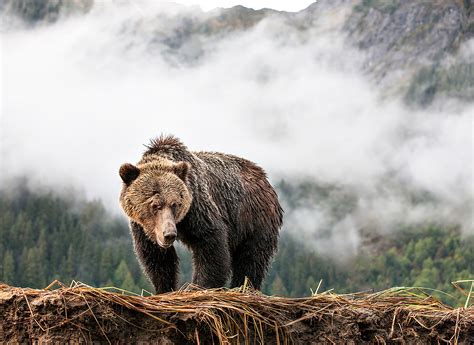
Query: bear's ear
[(128, 172), (181, 169)]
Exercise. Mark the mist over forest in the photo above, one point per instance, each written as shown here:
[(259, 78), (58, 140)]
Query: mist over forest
[(361, 112)]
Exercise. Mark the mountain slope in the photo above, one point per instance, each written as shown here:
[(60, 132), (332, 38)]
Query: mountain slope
[(417, 49)]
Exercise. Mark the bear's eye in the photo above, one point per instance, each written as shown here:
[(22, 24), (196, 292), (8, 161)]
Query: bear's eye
[(174, 207), (155, 207)]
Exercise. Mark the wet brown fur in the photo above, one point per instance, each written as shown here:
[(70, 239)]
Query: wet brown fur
[(226, 212)]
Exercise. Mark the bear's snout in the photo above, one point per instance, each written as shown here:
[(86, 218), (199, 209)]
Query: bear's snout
[(170, 233), (165, 228)]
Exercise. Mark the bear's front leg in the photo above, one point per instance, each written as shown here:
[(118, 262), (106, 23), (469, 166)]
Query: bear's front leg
[(160, 264), (211, 262)]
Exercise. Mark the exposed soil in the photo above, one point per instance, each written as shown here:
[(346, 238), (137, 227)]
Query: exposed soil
[(86, 315)]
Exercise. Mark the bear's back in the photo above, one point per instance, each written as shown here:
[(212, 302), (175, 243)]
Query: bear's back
[(238, 187), (242, 189)]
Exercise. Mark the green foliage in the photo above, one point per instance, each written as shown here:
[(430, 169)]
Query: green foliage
[(45, 237), (278, 288), (8, 267), (123, 277), (423, 87), (456, 81), (429, 257), (386, 6)]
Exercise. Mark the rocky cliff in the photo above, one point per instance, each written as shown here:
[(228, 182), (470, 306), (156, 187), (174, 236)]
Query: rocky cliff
[(418, 49)]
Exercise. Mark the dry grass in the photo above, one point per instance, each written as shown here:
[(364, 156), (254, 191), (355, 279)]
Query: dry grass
[(245, 315)]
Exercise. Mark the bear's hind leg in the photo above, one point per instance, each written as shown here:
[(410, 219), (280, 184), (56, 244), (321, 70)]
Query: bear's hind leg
[(251, 259)]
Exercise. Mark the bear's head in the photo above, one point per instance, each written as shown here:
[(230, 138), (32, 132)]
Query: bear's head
[(155, 195)]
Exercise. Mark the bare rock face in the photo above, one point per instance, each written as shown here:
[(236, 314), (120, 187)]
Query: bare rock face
[(413, 40), (420, 50), (33, 11)]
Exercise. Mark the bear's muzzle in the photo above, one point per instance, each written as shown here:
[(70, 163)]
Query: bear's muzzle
[(165, 228)]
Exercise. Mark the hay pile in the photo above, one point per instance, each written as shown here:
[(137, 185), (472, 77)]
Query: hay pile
[(194, 316)]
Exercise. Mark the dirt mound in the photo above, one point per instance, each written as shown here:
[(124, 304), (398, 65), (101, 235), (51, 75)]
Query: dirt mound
[(193, 316)]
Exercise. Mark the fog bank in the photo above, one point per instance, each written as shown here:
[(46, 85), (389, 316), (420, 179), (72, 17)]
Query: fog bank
[(82, 96)]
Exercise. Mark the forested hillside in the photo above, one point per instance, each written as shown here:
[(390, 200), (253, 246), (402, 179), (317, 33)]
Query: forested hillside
[(44, 236)]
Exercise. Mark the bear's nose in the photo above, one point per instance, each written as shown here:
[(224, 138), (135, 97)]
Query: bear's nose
[(169, 238)]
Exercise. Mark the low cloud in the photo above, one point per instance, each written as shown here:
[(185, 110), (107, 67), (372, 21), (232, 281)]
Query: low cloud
[(82, 96)]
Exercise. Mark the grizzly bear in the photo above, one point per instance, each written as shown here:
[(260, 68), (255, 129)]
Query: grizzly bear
[(220, 206)]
